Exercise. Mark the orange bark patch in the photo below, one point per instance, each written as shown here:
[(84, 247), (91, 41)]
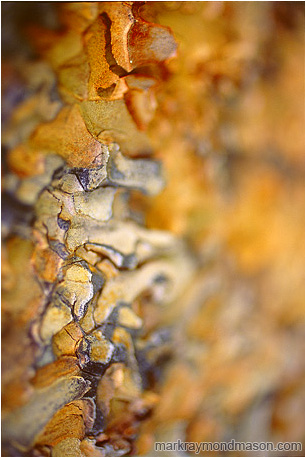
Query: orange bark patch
[(67, 136)]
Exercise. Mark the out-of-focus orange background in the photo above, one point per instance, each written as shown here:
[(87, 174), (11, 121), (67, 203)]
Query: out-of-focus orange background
[(230, 131)]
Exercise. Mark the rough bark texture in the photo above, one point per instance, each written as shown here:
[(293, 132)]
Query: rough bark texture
[(152, 225)]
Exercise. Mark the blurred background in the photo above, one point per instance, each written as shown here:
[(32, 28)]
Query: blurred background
[(230, 125)]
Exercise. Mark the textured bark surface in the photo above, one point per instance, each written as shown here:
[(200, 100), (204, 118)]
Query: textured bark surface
[(152, 225)]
